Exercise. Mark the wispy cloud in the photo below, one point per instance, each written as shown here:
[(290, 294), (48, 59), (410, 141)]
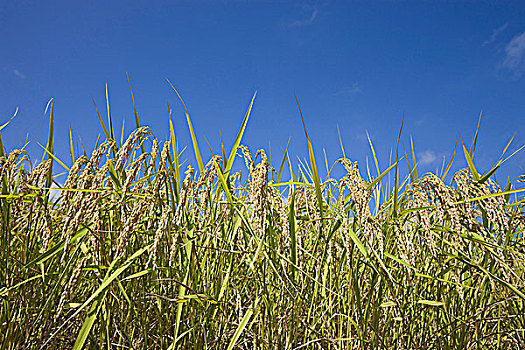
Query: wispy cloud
[(355, 89), (305, 22), (18, 74), (427, 157), (14, 71), (514, 60), (495, 34)]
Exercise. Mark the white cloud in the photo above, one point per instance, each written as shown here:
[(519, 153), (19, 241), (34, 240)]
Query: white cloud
[(514, 60), (355, 89), (18, 74), (495, 34), (305, 22), (427, 157), (14, 71)]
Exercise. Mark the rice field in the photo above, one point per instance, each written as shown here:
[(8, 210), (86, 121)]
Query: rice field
[(138, 252)]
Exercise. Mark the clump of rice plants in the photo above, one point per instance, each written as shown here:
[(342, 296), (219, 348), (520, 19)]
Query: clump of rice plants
[(139, 253)]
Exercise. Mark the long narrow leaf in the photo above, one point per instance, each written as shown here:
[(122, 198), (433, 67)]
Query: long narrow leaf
[(470, 163), (135, 113), (242, 325), (238, 138), (10, 119), (192, 133), (313, 165), (396, 179), (176, 165), (110, 122)]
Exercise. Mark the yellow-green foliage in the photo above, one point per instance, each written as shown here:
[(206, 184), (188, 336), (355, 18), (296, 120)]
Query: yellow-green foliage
[(137, 253)]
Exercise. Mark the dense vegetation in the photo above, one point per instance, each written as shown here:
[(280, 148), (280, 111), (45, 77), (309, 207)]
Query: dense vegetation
[(137, 253)]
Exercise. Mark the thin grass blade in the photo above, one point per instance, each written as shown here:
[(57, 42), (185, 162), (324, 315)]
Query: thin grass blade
[(238, 138), (192, 133), (313, 165), (242, 325)]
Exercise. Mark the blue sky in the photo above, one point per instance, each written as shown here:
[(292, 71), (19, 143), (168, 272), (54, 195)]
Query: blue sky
[(358, 65)]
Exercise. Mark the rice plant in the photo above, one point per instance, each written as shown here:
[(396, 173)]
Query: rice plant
[(137, 252)]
